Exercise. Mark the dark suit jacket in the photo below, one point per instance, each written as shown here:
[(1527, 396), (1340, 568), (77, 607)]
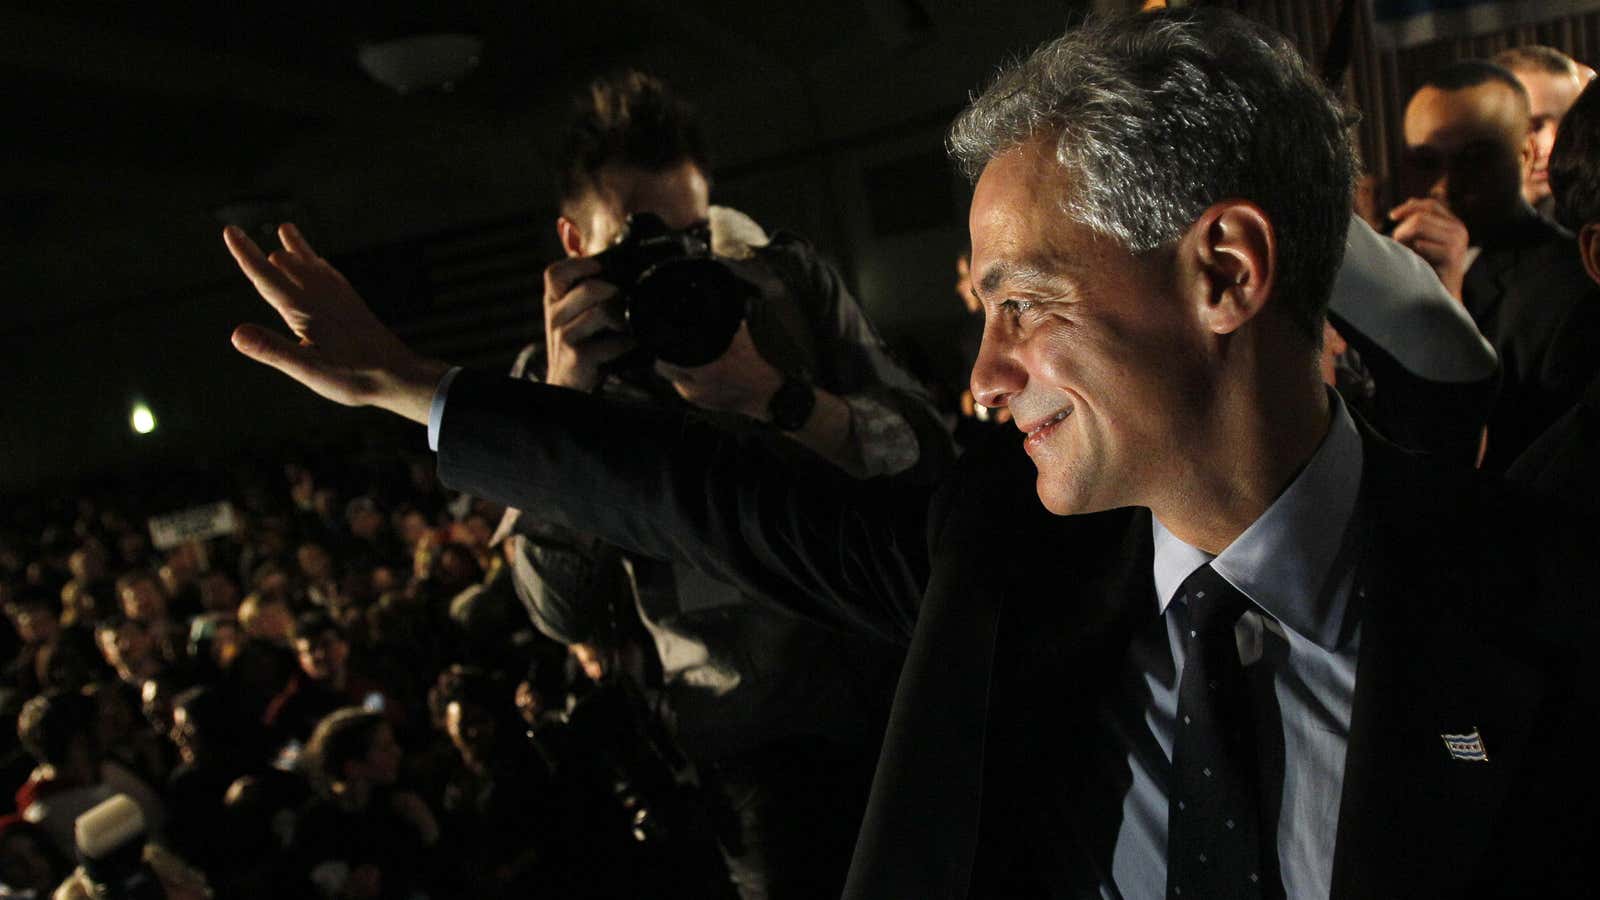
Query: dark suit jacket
[(1017, 622), (1531, 298)]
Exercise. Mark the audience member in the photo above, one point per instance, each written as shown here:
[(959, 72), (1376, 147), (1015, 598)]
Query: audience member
[(1552, 81), (1562, 462), (780, 716), (325, 682), (73, 774), (30, 865), (362, 836), (1467, 149)]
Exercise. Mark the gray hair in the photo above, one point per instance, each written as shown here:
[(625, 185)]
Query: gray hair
[(1157, 116)]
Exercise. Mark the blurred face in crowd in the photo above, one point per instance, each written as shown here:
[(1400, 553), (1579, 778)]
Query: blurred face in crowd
[(1550, 95), (381, 765), (133, 547), (25, 865), (315, 563), (472, 731), (36, 623), (116, 717), (267, 618), (366, 523), (155, 701), (218, 593), (1091, 349), (413, 525), (130, 649), (323, 656), (1469, 149), (143, 600), (87, 564), (679, 194)]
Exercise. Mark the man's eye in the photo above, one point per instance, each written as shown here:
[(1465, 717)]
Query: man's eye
[(1015, 308)]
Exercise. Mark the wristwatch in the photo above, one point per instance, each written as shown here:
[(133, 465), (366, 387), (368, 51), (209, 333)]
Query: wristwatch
[(791, 404)]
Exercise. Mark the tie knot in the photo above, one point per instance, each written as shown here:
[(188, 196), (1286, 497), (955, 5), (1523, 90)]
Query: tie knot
[(1214, 604)]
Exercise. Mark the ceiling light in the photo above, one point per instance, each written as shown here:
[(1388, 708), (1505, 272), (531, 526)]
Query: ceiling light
[(420, 61)]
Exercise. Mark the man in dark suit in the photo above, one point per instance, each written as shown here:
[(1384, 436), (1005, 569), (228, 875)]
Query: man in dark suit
[(1467, 152), (1242, 648), (1563, 461)]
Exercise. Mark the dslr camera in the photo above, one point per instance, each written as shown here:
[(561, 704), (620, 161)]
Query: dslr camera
[(681, 304)]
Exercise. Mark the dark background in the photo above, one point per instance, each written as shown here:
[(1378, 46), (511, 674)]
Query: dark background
[(134, 130)]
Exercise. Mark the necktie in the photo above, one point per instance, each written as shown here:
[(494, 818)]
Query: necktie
[(1214, 842)]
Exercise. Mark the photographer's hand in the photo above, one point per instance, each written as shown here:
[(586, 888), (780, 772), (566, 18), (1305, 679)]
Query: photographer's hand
[(1433, 232), (739, 381), (583, 328), (344, 352), (742, 381)]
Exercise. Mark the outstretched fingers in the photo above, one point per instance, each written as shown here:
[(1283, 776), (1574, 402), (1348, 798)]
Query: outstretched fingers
[(270, 282)]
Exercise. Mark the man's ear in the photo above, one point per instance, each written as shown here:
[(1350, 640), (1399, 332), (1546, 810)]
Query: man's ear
[(1589, 249), (571, 237), (1229, 260)]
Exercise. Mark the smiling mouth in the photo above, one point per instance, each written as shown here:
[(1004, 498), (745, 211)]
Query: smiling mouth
[(1043, 430)]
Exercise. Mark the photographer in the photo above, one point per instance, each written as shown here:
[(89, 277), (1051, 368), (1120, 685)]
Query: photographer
[(781, 717)]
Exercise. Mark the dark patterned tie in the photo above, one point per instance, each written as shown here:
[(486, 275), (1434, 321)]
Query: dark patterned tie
[(1214, 840)]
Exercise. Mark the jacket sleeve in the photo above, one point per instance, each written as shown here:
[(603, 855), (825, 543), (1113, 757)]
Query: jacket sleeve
[(565, 580), (668, 484), (1435, 376)]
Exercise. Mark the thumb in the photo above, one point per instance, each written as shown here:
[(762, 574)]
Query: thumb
[(270, 348)]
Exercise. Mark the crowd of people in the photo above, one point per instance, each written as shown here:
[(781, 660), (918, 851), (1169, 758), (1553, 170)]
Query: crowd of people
[(342, 698), (661, 660)]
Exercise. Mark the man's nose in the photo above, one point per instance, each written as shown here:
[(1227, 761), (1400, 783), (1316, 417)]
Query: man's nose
[(996, 375)]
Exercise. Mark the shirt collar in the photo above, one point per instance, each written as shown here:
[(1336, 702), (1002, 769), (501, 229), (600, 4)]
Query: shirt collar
[(1288, 561)]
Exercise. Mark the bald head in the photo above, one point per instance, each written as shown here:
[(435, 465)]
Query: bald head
[(1466, 134)]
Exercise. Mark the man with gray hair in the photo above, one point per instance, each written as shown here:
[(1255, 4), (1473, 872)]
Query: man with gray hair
[(1243, 647)]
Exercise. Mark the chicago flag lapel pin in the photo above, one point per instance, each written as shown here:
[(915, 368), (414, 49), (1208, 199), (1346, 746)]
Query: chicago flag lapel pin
[(1467, 747)]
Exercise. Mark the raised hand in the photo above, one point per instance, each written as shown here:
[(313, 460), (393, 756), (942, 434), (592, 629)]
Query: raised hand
[(344, 353), (1433, 232)]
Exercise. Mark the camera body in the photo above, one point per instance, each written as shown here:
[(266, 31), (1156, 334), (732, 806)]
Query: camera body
[(680, 303)]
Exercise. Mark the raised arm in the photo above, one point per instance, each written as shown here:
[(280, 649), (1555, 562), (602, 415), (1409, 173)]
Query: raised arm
[(344, 353), (667, 485)]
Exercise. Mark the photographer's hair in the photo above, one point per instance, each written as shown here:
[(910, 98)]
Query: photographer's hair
[(1155, 117), (342, 737), (629, 118), (1536, 58), (1575, 163)]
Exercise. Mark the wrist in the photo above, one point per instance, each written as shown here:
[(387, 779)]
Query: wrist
[(407, 389), (767, 383), (792, 403)]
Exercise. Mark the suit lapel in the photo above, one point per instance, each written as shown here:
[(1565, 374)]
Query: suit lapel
[(1413, 816)]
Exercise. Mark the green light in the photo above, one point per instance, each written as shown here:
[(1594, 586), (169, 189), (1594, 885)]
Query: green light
[(144, 421)]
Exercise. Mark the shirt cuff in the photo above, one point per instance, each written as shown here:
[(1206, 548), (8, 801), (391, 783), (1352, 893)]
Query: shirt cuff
[(436, 408)]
